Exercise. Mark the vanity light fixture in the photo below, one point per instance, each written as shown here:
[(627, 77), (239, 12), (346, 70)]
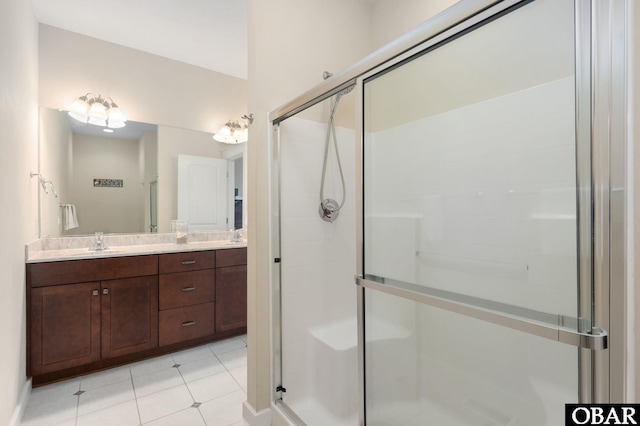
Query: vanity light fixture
[(96, 110), (234, 132)]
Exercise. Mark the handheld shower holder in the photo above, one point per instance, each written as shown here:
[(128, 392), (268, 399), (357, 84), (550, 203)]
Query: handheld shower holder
[(329, 210)]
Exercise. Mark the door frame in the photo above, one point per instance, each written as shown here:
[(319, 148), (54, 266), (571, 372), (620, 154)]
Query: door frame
[(232, 154)]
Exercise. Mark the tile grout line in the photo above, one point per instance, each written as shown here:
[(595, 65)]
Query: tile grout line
[(225, 367), (109, 406), (189, 390), (135, 396), (78, 402)]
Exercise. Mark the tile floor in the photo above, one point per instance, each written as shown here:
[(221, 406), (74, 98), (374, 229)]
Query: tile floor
[(203, 386)]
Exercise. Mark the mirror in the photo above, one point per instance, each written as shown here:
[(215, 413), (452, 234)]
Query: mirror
[(121, 182)]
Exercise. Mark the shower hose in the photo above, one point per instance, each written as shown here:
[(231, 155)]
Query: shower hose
[(329, 207)]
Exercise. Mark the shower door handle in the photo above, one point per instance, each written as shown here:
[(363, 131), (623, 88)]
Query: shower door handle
[(596, 340)]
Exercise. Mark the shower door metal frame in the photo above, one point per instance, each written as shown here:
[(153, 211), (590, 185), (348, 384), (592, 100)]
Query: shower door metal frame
[(600, 55)]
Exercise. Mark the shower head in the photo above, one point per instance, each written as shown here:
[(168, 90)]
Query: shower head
[(327, 74)]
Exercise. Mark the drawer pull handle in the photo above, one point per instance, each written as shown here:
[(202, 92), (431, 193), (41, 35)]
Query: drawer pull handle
[(188, 323), (188, 262), (188, 288)]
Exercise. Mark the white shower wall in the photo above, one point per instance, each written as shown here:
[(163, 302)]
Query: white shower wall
[(490, 192), (318, 266)]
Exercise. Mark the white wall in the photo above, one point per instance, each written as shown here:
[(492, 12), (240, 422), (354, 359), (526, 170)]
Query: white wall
[(392, 18), (18, 146), (148, 88)]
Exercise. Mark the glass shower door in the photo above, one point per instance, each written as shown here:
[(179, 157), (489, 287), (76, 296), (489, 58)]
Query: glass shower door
[(475, 268)]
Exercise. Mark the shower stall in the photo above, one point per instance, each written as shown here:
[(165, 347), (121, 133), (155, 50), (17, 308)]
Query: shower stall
[(475, 163)]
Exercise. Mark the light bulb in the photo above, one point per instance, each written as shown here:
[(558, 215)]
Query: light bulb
[(79, 106), (98, 110), (116, 114)]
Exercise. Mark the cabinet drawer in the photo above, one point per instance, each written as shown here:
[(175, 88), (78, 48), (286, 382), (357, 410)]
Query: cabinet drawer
[(231, 257), (78, 271), (190, 322), (187, 288), (187, 261)]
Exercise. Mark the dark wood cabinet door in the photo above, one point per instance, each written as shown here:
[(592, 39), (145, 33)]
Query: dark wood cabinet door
[(65, 326), (231, 298), (129, 315)]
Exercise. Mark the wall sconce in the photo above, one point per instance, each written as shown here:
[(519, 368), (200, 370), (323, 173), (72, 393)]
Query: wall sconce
[(98, 111), (234, 132)]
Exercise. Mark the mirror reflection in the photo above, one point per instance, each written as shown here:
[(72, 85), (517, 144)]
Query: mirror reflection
[(129, 181)]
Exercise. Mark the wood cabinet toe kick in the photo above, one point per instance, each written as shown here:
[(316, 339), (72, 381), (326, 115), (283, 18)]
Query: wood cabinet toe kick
[(88, 315)]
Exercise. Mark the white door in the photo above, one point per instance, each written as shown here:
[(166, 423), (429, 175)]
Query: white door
[(202, 192)]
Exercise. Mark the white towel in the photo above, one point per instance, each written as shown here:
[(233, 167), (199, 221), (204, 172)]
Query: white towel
[(69, 217)]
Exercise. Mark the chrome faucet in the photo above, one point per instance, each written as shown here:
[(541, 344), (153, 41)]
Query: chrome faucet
[(99, 242), (237, 236)]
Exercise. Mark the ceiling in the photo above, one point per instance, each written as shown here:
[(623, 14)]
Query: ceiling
[(211, 34), (133, 130)]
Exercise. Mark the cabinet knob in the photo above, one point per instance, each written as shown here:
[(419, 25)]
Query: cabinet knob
[(95, 292), (105, 291)]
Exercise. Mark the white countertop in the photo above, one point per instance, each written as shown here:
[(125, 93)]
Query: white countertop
[(54, 250)]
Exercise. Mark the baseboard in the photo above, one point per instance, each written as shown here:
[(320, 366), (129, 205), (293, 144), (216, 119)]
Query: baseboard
[(262, 418), (18, 412)]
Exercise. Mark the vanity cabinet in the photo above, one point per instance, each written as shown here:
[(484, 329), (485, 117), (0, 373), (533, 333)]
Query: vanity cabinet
[(86, 315)]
